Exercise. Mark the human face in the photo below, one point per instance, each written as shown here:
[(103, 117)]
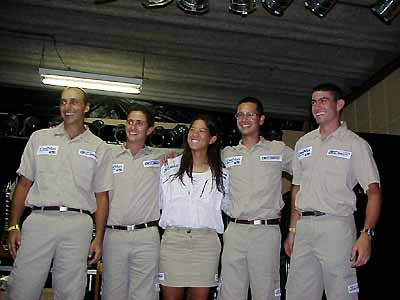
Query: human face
[(199, 136), (136, 127), (73, 106), (248, 120), (325, 109)]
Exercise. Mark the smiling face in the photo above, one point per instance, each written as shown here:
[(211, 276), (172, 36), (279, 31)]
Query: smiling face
[(136, 127), (73, 106), (199, 136), (325, 108), (248, 120)]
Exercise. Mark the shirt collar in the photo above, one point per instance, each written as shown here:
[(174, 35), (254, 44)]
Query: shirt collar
[(338, 133)]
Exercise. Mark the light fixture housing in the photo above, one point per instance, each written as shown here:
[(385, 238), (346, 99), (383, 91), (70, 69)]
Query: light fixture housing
[(276, 7), (91, 81), (196, 7), (243, 7), (319, 7), (386, 10), (156, 3)]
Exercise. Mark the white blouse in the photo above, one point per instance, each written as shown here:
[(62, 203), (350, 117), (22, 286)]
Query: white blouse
[(190, 204)]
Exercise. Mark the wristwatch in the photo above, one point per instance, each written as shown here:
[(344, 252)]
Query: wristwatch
[(14, 227), (369, 231)]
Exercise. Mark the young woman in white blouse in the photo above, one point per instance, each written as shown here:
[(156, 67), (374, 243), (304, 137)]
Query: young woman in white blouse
[(193, 191)]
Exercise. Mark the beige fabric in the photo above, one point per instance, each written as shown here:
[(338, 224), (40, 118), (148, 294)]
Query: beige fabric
[(46, 235), (135, 198), (255, 184), (328, 170), (321, 259), (189, 257), (130, 261), (66, 172), (251, 255)]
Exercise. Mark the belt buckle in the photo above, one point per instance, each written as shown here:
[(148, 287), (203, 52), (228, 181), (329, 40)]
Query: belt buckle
[(318, 213), (257, 222), (130, 227), (63, 208)]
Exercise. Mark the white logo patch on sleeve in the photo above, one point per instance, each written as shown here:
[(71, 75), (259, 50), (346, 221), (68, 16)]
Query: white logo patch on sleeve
[(118, 168), (305, 152), (161, 276), (339, 153), (233, 161), (47, 150), (353, 288), (88, 154), (271, 157), (153, 163)]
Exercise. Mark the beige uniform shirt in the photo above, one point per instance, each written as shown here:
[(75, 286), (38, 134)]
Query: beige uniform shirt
[(327, 171), (255, 179), (135, 199), (64, 171)]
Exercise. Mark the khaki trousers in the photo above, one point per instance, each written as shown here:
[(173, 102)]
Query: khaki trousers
[(52, 238), (130, 263), (321, 259), (251, 255)]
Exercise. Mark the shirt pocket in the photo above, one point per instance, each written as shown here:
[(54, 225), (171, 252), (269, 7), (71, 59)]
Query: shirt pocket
[(84, 165)]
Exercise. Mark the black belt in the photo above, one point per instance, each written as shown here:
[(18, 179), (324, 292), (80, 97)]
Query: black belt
[(255, 222), (314, 213), (134, 226), (61, 209)]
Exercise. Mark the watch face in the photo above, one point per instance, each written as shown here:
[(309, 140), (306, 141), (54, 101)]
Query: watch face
[(371, 232)]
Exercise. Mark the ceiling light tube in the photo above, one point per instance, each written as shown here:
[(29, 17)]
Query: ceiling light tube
[(91, 81)]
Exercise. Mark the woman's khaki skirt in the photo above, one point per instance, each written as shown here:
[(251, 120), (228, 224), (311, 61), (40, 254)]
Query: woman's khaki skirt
[(189, 257)]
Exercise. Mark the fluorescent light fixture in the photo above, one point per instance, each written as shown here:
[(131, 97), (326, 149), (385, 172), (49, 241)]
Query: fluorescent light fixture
[(91, 81)]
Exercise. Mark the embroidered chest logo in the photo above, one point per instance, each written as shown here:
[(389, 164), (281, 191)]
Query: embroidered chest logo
[(47, 150), (339, 153), (118, 168), (304, 152), (271, 157), (153, 163), (88, 154), (233, 161)]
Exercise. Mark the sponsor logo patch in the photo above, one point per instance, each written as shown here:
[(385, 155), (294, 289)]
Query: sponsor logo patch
[(305, 152), (47, 150), (118, 168), (233, 161)]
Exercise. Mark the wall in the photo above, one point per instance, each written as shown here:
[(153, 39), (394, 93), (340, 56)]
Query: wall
[(378, 110)]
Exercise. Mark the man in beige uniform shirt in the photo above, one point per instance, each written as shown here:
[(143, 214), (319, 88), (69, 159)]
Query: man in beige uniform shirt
[(65, 177), (328, 163), (251, 253), (132, 241)]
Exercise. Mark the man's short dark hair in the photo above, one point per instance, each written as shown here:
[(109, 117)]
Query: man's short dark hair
[(259, 105), (145, 110), (336, 91)]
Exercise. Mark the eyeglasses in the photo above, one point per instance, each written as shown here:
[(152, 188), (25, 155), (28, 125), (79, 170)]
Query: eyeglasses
[(136, 122), (246, 114)]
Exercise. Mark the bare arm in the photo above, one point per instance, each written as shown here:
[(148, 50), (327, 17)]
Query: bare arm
[(17, 208), (100, 219), (288, 244), (361, 251)]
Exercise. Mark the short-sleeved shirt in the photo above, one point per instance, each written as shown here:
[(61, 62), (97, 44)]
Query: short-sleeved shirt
[(328, 170), (66, 171), (193, 203), (255, 179), (135, 199)]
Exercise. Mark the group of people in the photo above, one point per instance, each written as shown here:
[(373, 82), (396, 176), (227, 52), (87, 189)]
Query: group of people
[(67, 175)]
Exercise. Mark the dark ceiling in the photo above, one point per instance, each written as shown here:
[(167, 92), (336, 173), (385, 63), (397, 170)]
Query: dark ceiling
[(202, 62)]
